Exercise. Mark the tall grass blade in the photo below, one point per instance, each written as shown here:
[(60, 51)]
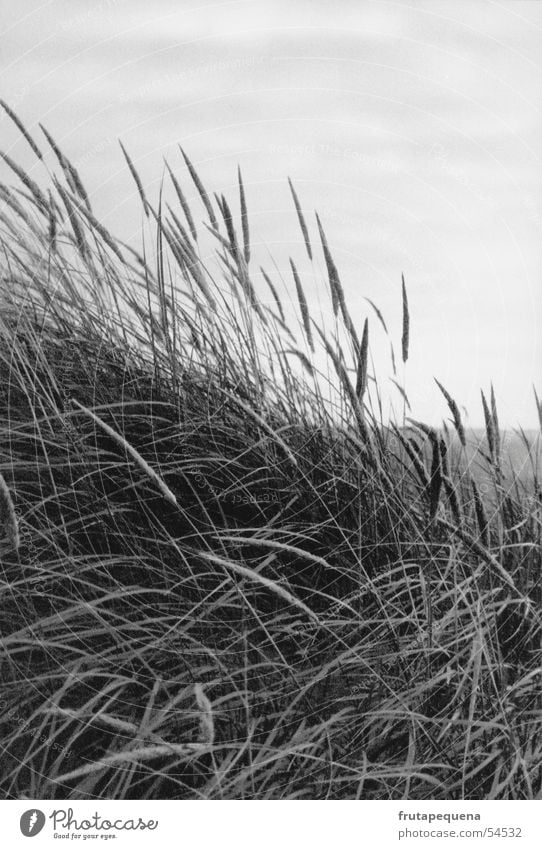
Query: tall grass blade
[(184, 204), (70, 171), (22, 129), (405, 337), (244, 217), (454, 409), (332, 273), (361, 377), (302, 306), (131, 451), (201, 190), (273, 292), (301, 219), (9, 526), (137, 180)]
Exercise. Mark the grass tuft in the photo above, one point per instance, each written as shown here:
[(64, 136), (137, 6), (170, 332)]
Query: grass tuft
[(226, 574)]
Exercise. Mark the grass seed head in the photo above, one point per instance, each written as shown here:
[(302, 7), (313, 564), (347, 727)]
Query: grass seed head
[(9, 527)]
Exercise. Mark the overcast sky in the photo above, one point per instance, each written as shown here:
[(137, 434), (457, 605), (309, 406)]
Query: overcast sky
[(413, 127)]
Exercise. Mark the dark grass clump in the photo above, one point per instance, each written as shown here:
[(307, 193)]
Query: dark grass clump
[(224, 574)]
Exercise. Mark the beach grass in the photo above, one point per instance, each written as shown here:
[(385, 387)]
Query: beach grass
[(225, 574)]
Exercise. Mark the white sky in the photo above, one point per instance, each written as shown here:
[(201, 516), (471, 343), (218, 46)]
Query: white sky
[(413, 127)]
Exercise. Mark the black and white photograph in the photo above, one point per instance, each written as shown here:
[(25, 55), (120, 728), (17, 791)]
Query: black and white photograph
[(270, 409)]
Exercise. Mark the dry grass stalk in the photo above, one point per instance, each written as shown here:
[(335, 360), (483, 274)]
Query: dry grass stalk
[(78, 233), (8, 197), (201, 189), (70, 172), (104, 234), (303, 306), (263, 424), (454, 409), (337, 291), (405, 338), (206, 723), (244, 217), (302, 357), (402, 393), (182, 234), (186, 258), (448, 484), (9, 527), (184, 204), (538, 403), (361, 378), (378, 314), (131, 451), (137, 180), (490, 428), (22, 129), (273, 292), (435, 477), (332, 273), (355, 405), (134, 756), (455, 505), (435, 481), (32, 187), (52, 226), (301, 219), (481, 518), (230, 229), (496, 426), (257, 577), (412, 452)]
